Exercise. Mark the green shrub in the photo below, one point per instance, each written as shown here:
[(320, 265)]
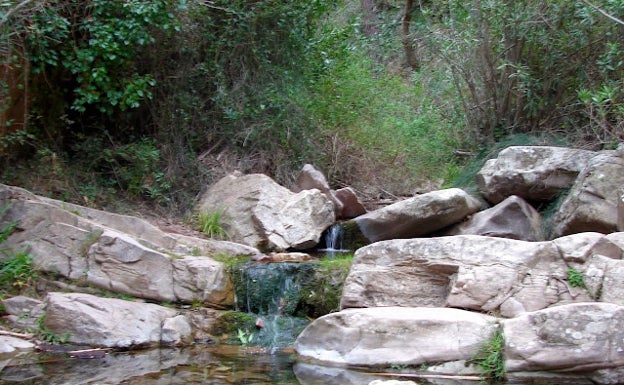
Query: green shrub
[(211, 223), (575, 278), (490, 358)]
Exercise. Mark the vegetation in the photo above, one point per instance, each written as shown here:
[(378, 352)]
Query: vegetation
[(321, 290), (150, 100), (211, 224), (575, 278), (16, 267), (490, 358)]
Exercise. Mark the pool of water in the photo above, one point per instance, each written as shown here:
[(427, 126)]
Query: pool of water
[(206, 365)]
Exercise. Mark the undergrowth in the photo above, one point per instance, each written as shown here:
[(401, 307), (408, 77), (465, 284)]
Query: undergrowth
[(490, 358)]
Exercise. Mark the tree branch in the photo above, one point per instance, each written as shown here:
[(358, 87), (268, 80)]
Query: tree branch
[(603, 12)]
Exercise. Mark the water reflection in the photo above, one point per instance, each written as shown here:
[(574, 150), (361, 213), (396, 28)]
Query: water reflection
[(223, 364), (205, 365)]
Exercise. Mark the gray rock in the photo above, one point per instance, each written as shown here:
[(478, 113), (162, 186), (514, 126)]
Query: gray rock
[(512, 218), (10, 344), (482, 273), (579, 337), (417, 216), (120, 253), (535, 173), (387, 336), (620, 208), (592, 204), (23, 312), (109, 322), (260, 212)]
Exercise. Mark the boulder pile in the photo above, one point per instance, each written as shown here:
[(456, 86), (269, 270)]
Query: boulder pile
[(437, 278)]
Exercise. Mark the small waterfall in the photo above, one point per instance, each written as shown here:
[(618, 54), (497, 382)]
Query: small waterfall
[(271, 292), (334, 239)]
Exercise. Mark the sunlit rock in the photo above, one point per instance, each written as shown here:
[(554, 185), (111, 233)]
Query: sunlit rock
[(387, 336), (109, 322), (592, 204), (417, 216), (535, 173), (259, 212)]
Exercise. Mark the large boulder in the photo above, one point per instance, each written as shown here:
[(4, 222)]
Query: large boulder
[(535, 173), (513, 218), (350, 203), (259, 212), (110, 322), (582, 337), (480, 273), (387, 336), (417, 216), (592, 203), (579, 341), (134, 258)]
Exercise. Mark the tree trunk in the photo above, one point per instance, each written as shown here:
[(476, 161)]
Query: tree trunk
[(369, 18), (408, 44)]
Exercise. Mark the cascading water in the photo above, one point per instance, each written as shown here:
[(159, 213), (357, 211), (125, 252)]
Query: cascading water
[(334, 240), (271, 292)]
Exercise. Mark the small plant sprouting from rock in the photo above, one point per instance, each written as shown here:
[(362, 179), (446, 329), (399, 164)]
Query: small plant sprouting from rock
[(47, 335), (244, 337), (490, 358), (575, 278), (211, 224)]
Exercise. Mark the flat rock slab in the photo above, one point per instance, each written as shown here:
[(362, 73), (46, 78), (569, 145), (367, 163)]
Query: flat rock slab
[(386, 336), (108, 322)]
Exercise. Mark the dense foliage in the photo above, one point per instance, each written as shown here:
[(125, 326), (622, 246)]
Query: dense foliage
[(153, 99)]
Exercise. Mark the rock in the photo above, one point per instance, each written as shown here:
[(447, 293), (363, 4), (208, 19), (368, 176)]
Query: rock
[(580, 248), (592, 204), (10, 344), (23, 312), (311, 178), (482, 273), (119, 263), (513, 218), (351, 205), (535, 173), (259, 212), (391, 382), (417, 216), (620, 208), (202, 279), (312, 374), (387, 336), (176, 331), (581, 337), (141, 261), (282, 257), (109, 322)]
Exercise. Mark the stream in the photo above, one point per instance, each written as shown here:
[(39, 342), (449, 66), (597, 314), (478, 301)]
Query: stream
[(270, 293)]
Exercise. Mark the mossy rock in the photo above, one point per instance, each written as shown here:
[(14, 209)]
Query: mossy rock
[(353, 237), (229, 322)]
